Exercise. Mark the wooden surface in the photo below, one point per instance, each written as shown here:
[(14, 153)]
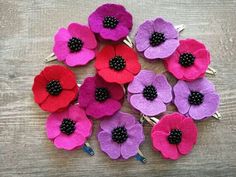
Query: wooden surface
[(27, 29)]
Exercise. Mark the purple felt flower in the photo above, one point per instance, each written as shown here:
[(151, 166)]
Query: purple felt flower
[(149, 93), (111, 21), (156, 39), (198, 98), (120, 136)]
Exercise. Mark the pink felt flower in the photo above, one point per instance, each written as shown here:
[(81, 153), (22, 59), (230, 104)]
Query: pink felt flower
[(75, 45), (69, 129)]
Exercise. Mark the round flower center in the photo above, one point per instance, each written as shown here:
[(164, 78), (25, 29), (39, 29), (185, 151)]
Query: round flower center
[(67, 126), (150, 92), (101, 94), (75, 44), (186, 59), (54, 87), (156, 39), (110, 22), (117, 63), (195, 98), (175, 136), (119, 135)]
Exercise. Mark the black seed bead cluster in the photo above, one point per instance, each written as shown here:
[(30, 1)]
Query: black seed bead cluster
[(54, 87), (67, 126), (117, 63), (101, 94), (75, 44), (150, 92), (195, 98), (186, 59), (110, 22), (175, 136), (119, 135), (156, 39)]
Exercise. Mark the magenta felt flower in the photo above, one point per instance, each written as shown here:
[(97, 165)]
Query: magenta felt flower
[(149, 93), (100, 98), (75, 45), (190, 61), (120, 136), (174, 135), (111, 21), (69, 129), (156, 39), (198, 98)]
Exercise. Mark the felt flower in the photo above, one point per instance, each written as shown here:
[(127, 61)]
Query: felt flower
[(75, 45), (149, 93), (100, 98), (190, 61), (156, 39), (117, 63), (198, 98), (120, 136), (69, 129), (111, 21), (54, 88), (174, 135)]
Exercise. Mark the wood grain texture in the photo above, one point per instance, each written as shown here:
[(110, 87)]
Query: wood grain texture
[(27, 29)]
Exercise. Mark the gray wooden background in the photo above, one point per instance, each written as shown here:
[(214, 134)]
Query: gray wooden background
[(27, 29)]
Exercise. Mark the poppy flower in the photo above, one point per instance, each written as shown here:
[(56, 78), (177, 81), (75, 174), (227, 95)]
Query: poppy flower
[(100, 98), (75, 45), (120, 136), (69, 129), (54, 88), (198, 98), (111, 21), (117, 63), (190, 60), (156, 39), (149, 93), (174, 135)]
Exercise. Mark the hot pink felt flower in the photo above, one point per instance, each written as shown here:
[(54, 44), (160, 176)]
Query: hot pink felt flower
[(174, 135), (69, 129), (75, 45)]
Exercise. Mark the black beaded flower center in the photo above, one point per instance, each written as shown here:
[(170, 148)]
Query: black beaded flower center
[(67, 126), (101, 94), (110, 22), (195, 98), (117, 63), (175, 136), (156, 39), (75, 44), (186, 59), (150, 92), (54, 87), (119, 135)]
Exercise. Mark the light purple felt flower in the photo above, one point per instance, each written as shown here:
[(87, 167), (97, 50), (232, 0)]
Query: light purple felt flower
[(120, 136), (156, 39), (198, 98), (149, 93)]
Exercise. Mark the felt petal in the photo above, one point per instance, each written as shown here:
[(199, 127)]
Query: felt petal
[(135, 133), (190, 46), (192, 73), (114, 34), (125, 119), (147, 77), (62, 35), (129, 148), (61, 50), (202, 59), (201, 85), (136, 86), (95, 22), (39, 88), (103, 57)]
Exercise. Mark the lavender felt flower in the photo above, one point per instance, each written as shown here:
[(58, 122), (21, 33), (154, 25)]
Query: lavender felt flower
[(149, 93), (120, 136), (198, 98), (156, 39)]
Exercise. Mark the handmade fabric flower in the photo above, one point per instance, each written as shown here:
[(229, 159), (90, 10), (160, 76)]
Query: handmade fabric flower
[(54, 88), (149, 92), (198, 98), (174, 135), (190, 61), (120, 136), (117, 63), (100, 98), (111, 21), (75, 45), (69, 129), (156, 39)]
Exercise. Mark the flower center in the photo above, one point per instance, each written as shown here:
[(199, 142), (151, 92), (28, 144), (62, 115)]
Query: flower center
[(150, 92), (101, 94), (75, 44), (117, 63), (119, 135), (195, 98), (186, 59), (54, 87), (156, 39), (110, 22), (67, 126), (175, 136)]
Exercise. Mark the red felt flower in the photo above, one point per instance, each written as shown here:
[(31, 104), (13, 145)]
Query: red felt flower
[(54, 88), (117, 63)]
